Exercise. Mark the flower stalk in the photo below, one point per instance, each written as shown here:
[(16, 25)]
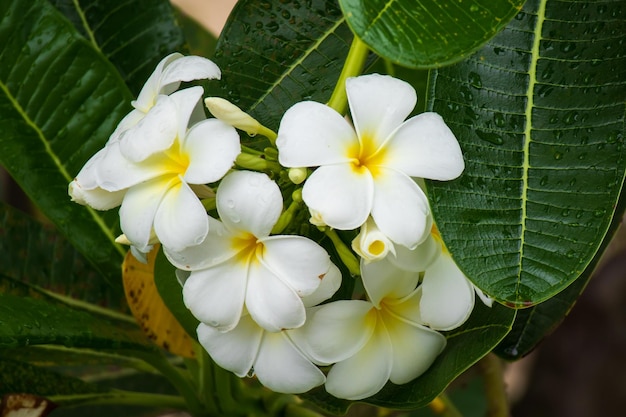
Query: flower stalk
[(352, 67)]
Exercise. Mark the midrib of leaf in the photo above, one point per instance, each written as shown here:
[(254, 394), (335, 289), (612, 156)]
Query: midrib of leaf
[(57, 162), (83, 19), (297, 62), (532, 73)]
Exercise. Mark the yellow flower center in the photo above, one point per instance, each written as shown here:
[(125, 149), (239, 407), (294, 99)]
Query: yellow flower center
[(376, 247), (248, 248), (175, 161), (366, 156)]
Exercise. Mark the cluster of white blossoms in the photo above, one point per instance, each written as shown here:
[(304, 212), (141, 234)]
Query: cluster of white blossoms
[(262, 297)]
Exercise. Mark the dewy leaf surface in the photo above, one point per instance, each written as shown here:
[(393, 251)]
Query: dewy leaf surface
[(133, 34), (38, 254), (427, 33), (59, 101), (539, 112), (275, 54)]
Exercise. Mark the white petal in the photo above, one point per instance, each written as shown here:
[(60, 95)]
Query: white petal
[(271, 302), (415, 348), (215, 248), (189, 68), (339, 195), (365, 373), (488, 301), (130, 120), (447, 295), (382, 279), (327, 288), (379, 104), (298, 261), (281, 367), (115, 172), (138, 209), (312, 134), (400, 208), (96, 197), (235, 350), (186, 101), (147, 95), (216, 295), (425, 147), (417, 259), (154, 133), (212, 147), (337, 330), (181, 219), (249, 202), (88, 175)]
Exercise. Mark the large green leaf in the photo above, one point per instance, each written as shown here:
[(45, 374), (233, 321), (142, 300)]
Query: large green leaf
[(534, 323), (29, 316), (273, 55), (36, 253), (539, 113), (427, 33), (59, 101), (466, 345), (134, 35)]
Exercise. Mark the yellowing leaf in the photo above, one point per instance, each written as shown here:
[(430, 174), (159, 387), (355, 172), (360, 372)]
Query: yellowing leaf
[(148, 307)]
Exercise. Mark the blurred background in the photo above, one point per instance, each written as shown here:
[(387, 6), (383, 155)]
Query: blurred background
[(578, 371)]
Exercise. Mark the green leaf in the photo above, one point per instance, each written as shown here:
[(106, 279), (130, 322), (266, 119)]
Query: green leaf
[(36, 253), (23, 377), (273, 55), (201, 41), (134, 35), (534, 323), (539, 113), (466, 345), (171, 292), (59, 101), (427, 34), (29, 316)]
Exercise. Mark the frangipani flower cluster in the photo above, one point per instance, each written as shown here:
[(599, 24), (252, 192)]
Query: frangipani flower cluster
[(261, 295)]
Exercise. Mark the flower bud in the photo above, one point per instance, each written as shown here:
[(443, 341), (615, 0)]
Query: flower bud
[(297, 175), (372, 244), (227, 112)]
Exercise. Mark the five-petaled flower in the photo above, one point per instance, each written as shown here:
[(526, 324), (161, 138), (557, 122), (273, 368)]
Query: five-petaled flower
[(157, 171), (367, 170), (239, 264)]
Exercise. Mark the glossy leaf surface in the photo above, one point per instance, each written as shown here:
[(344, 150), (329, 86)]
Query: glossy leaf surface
[(60, 99), (427, 34), (539, 112), (36, 253), (133, 35), (274, 54)]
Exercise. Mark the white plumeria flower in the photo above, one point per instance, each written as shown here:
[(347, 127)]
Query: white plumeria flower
[(371, 244), (239, 263), (367, 170), (165, 79), (372, 342), (157, 183), (274, 358)]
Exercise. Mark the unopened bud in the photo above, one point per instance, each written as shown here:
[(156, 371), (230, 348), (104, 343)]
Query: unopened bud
[(297, 175), (227, 112)]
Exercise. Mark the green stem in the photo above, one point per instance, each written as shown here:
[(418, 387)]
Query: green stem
[(183, 383), (491, 368), (255, 163), (206, 382), (347, 257), (444, 407), (351, 68), (119, 397)]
